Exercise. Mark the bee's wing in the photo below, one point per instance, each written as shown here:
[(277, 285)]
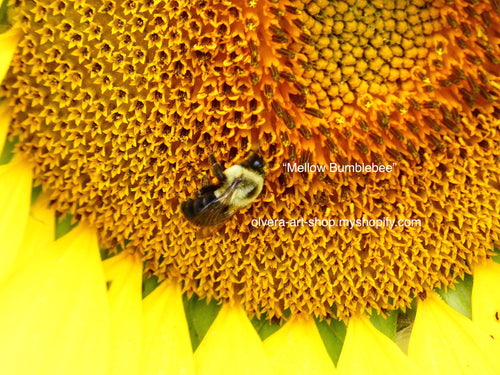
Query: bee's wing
[(219, 210)]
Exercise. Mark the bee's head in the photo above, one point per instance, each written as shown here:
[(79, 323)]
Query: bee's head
[(256, 163)]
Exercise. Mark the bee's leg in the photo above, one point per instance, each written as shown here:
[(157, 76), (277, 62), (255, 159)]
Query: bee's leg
[(205, 186), (217, 169), (204, 181)]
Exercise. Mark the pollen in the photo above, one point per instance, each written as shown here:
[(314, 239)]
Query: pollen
[(119, 105)]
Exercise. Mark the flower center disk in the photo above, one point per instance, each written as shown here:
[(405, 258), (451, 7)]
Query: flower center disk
[(115, 103)]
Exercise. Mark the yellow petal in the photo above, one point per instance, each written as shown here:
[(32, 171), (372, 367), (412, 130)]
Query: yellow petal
[(231, 346), (445, 342), (486, 298), (8, 41), (123, 274), (297, 348), (54, 315), (15, 200), (368, 351), (4, 123), (166, 342), (40, 231)]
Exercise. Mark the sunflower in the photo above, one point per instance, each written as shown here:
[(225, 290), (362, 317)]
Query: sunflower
[(378, 123)]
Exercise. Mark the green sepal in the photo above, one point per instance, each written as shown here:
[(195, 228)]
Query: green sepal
[(387, 325), (264, 328), (8, 150), (35, 193), (496, 256), (333, 334), (64, 225), (3, 13), (460, 297), (200, 316), (148, 285)]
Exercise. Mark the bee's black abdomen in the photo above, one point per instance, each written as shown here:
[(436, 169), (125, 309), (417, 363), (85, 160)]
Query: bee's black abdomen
[(207, 199), (192, 207), (198, 205), (187, 209)]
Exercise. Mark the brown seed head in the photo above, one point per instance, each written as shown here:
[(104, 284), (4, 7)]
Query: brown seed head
[(114, 102)]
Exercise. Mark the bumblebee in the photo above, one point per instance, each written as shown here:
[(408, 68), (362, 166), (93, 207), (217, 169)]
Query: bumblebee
[(239, 185)]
